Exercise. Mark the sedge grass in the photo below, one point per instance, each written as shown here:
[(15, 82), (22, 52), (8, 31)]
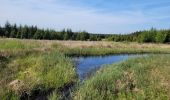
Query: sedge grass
[(135, 79), (44, 65), (29, 70)]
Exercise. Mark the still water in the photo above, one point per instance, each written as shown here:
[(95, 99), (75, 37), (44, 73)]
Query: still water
[(86, 66)]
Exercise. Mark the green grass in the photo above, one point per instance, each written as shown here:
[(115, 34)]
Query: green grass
[(15, 47), (108, 51), (45, 72), (15, 44), (42, 70), (100, 48), (135, 79), (30, 65)]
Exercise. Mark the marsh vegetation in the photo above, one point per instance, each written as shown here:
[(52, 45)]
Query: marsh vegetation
[(44, 69), (138, 79)]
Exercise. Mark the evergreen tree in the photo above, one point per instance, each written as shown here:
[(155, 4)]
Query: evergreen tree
[(82, 36), (29, 32), (1, 31), (7, 29), (66, 36), (14, 30), (38, 35), (93, 38), (24, 32), (19, 32), (148, 36), (160, 37)]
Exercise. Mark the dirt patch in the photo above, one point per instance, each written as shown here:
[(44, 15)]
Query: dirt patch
[(17, 86)]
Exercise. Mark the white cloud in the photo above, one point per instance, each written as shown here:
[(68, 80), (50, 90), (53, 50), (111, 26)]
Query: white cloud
[(58, 15)]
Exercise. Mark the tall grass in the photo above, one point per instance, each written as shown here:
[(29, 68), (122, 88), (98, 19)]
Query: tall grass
[(15, 44), (92, 51), (79, 48), (15, 47), (135, 79), (25, 75), (44, 72), (31, 67)]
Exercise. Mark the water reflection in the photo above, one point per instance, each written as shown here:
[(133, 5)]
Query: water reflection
[(86, 65)]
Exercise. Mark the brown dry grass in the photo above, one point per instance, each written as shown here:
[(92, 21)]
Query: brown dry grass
[(97, 44), (83, 47)]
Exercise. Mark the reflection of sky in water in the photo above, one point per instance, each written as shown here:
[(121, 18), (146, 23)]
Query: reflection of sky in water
[(86, 64)]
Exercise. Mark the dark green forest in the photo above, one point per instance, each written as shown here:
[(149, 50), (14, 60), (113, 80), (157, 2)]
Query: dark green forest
[(33, 32)]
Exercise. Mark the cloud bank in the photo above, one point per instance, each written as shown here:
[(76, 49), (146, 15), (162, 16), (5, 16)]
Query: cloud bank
[(99, 16)]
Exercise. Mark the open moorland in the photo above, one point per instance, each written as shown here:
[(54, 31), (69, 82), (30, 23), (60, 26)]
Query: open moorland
[(44, 69)]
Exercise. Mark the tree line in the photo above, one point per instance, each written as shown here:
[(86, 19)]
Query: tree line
[(32, 32), (147, 36)]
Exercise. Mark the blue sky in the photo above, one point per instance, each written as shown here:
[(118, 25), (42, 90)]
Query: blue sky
[(97, 16)]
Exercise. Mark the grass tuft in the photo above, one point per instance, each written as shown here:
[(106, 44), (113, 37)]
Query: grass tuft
[(141, 78)]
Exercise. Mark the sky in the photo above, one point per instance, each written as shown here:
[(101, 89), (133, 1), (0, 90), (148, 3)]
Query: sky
[(94, 16)]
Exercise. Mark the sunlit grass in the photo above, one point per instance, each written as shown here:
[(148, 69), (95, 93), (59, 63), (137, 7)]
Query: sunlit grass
[(85, 48), (8, 44), (30, 65), (42, 70), (45, 71), (107, 51), (138, 79)]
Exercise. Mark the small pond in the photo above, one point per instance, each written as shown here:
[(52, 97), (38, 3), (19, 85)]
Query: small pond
[(86, 66)]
